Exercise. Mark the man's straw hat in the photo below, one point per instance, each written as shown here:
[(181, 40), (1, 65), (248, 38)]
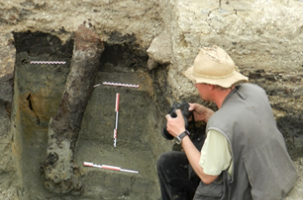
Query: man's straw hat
[(214, 66)]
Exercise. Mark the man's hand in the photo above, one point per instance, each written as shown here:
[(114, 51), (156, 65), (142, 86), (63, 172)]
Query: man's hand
[(200, 112), (175, 126)]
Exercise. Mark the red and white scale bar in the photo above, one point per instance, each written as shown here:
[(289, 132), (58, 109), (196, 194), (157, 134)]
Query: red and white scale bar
[(48, 62), (121, 84), (109, 167), (116, 118)]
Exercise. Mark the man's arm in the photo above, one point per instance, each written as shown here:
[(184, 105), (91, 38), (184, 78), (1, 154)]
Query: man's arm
[(193, 156), (176, 126)]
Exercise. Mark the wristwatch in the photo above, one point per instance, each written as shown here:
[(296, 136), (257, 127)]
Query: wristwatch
[(178, 139)]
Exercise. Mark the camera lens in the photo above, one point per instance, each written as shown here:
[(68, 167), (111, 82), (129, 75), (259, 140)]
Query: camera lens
[(166, 134)]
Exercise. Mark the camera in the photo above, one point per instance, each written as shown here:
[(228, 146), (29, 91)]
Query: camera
[(184, 107)]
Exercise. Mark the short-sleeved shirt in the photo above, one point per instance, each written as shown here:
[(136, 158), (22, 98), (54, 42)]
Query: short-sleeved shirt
[(216, 154)]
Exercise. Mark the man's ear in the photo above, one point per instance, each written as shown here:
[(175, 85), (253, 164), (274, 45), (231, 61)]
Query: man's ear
[(211, 87)]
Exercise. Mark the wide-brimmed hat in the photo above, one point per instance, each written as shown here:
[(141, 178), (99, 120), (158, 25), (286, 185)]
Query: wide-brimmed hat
[(214, 66)]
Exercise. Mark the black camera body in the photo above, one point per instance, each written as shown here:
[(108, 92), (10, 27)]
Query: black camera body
[(184, 107)]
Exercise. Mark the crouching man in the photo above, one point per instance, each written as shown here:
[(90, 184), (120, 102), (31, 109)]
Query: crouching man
[(244, 156)]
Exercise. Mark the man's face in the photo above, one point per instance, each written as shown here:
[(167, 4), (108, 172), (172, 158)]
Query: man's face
[(203, 90)]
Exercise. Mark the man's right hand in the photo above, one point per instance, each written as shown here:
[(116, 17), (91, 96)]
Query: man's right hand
[(200, 112)]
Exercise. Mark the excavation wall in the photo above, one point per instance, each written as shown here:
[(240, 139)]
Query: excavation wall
[(149, 43)]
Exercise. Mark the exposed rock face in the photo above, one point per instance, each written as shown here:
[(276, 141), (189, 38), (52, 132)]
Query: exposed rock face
[(7, 63), (160, 51), (264, 37), (141, 18), (257, 34), (9, 177), (7, 60)]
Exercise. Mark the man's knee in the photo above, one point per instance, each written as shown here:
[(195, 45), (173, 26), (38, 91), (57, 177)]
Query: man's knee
[(164, 160)]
